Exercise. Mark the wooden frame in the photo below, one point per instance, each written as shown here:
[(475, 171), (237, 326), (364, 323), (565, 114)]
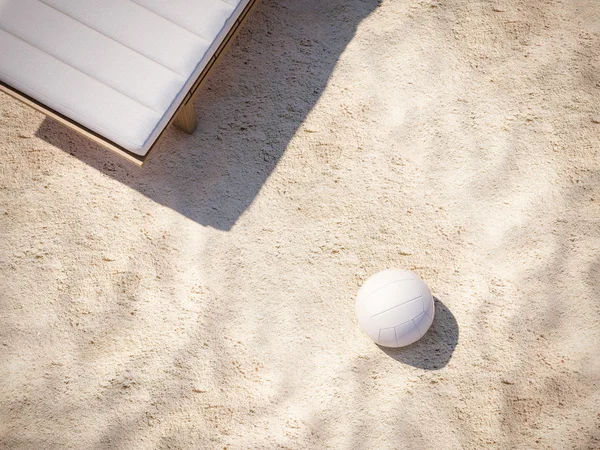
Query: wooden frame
[(186, 120), (184, 117)]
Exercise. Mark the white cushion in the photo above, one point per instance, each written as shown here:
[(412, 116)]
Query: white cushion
[(117, 67)]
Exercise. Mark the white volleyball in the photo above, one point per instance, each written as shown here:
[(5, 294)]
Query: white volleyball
[(395, 308)]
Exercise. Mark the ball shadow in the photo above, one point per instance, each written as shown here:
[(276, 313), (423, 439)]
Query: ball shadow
[(435, 349)]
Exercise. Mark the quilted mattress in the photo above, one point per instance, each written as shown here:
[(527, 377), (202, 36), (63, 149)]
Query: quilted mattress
[(118, 67)]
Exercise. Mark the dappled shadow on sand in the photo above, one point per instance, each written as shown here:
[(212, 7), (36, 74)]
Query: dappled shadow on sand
[(435, 349), (250, 108)]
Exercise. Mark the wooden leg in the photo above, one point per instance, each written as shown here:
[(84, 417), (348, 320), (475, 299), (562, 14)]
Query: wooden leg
[(186, 118)]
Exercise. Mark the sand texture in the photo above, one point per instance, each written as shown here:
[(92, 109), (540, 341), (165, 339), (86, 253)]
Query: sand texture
[(206, 301)]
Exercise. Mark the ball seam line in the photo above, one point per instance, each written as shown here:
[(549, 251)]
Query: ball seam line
[(395, 326), (396, 306), (417, 326), (387, 284)]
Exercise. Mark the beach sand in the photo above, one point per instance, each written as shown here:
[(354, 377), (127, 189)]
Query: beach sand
[(206, 300)]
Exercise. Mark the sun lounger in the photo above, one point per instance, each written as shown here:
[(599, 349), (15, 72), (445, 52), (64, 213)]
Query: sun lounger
[(117, 71)]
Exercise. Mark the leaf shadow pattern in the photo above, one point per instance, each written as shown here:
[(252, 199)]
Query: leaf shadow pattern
[(435, 349)]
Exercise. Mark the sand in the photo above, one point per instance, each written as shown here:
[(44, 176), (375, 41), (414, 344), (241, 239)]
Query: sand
[(206, 301)]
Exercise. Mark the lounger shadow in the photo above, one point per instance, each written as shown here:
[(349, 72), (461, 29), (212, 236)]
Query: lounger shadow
[(252, 104)]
